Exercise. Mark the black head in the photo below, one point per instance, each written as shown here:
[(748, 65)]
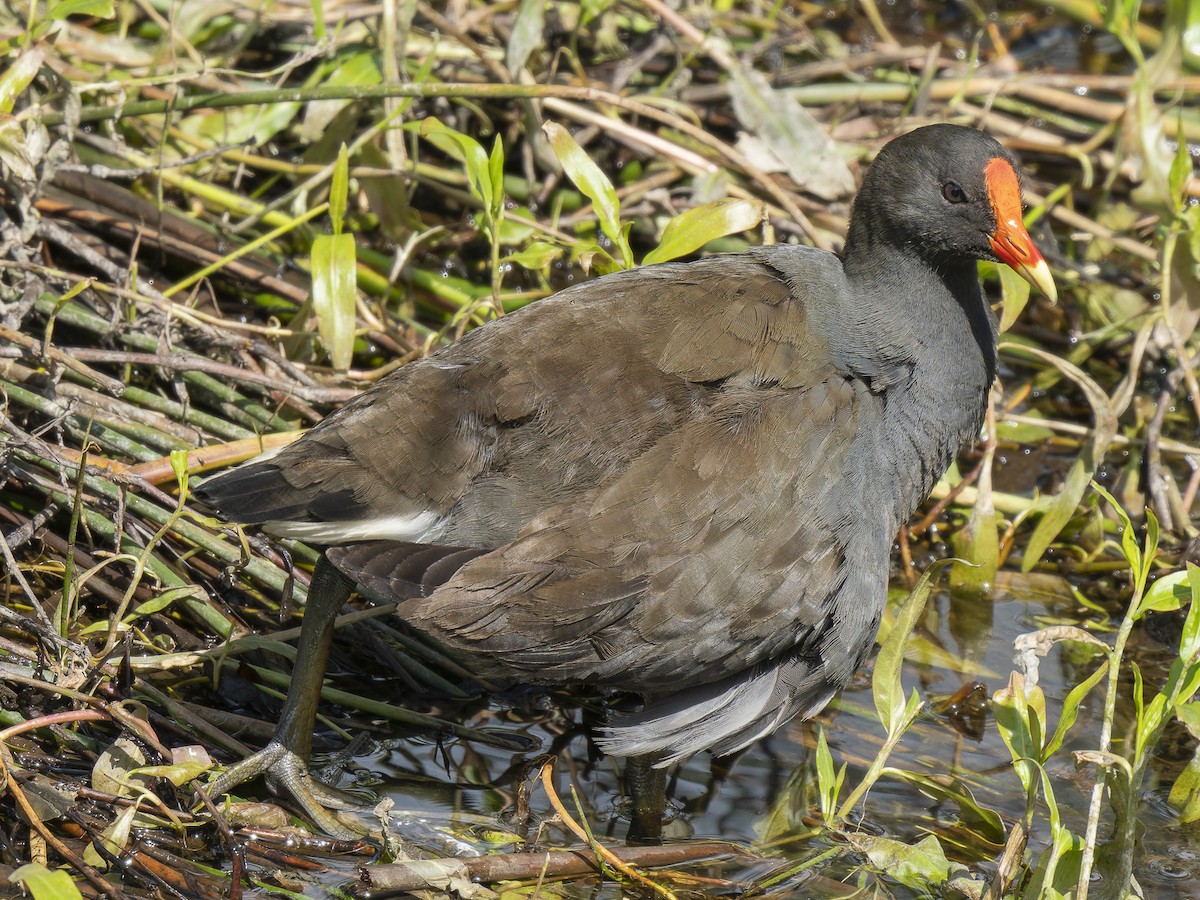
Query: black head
[(947, 194)]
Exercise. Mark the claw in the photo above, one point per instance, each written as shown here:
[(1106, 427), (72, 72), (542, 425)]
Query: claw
[(287, 773)]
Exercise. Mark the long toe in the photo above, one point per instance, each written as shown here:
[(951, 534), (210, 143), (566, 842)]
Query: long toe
[(287, 774)]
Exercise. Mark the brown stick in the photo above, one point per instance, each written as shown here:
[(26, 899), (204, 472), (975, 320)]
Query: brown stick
[(524, 866)]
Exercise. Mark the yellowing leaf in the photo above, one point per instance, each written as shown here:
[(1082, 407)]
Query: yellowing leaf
[(19, 76), (916, 866), (14, 151), (176, 773), (694, 228), (587, 176), (44, 884)]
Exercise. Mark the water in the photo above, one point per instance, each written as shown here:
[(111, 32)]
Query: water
[(459, 797)]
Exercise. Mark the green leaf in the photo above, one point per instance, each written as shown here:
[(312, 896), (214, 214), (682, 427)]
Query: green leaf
[(594, 184), (179, 468), (692, 229), (1167, 594), (45, 884), (496, 176), (1120, 20), (886, 687), (1189, 715), (386, 195), (1057, 871), (781, 817), (1189, 641), (1070, 711), (1181, 169), (1106, 411), (979, 545), (1129, 545), (1144, 135), (536, 256), (917, 866), (356, 70), (1139, 692), (1023, 432), (96, 9), (1011, 710), (1190, 41), (510, 232), (466, 150), (165, 599), (1149, 726), (1035, 713), (1149, 551), (1185, 680), (1185, 792), (829, 785), (333, 290), (1140, 558), (1014, 290), (339, 190), (1058, 511), (985, 822), (243, 124)]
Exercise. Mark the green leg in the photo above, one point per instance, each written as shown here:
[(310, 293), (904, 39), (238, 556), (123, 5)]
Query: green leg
[(647, 789), (285, 759)]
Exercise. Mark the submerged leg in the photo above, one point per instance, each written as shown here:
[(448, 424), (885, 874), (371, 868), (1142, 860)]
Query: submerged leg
[(285, 759), (647, 790)]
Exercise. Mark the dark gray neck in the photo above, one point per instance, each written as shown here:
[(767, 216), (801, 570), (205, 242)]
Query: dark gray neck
[(889, 274), (926, 337)]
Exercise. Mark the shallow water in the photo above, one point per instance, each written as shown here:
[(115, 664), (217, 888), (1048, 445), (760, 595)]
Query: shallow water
[(457, 797)]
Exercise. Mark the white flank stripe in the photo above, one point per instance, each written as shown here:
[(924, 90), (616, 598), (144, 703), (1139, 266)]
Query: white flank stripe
[(421, 527)]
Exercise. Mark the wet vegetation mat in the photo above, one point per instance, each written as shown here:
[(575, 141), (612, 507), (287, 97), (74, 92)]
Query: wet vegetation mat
[(220, 221)]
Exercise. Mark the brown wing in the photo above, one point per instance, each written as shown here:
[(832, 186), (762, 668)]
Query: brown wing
[(523, 414), (718, 548)]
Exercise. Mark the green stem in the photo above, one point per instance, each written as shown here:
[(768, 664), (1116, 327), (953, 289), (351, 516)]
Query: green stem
[(1110, 711), (878, 764)]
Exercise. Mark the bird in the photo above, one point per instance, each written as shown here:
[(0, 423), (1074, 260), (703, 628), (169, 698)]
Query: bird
[(681, 481)]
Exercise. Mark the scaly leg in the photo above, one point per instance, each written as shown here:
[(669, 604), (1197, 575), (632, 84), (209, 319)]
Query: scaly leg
[(284, 761), (647, 789)]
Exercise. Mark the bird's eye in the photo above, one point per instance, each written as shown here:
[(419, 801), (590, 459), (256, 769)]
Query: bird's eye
[(953, 192)]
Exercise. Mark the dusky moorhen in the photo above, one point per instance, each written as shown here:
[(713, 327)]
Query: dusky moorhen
[(682, 481)]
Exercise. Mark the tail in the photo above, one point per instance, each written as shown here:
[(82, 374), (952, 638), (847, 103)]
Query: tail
[(724, 716)]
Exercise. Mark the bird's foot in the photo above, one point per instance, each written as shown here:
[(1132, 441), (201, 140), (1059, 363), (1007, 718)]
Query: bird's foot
[(287, 773)]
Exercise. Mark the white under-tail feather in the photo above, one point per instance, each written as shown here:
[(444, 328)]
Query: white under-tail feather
[(723, 717)]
